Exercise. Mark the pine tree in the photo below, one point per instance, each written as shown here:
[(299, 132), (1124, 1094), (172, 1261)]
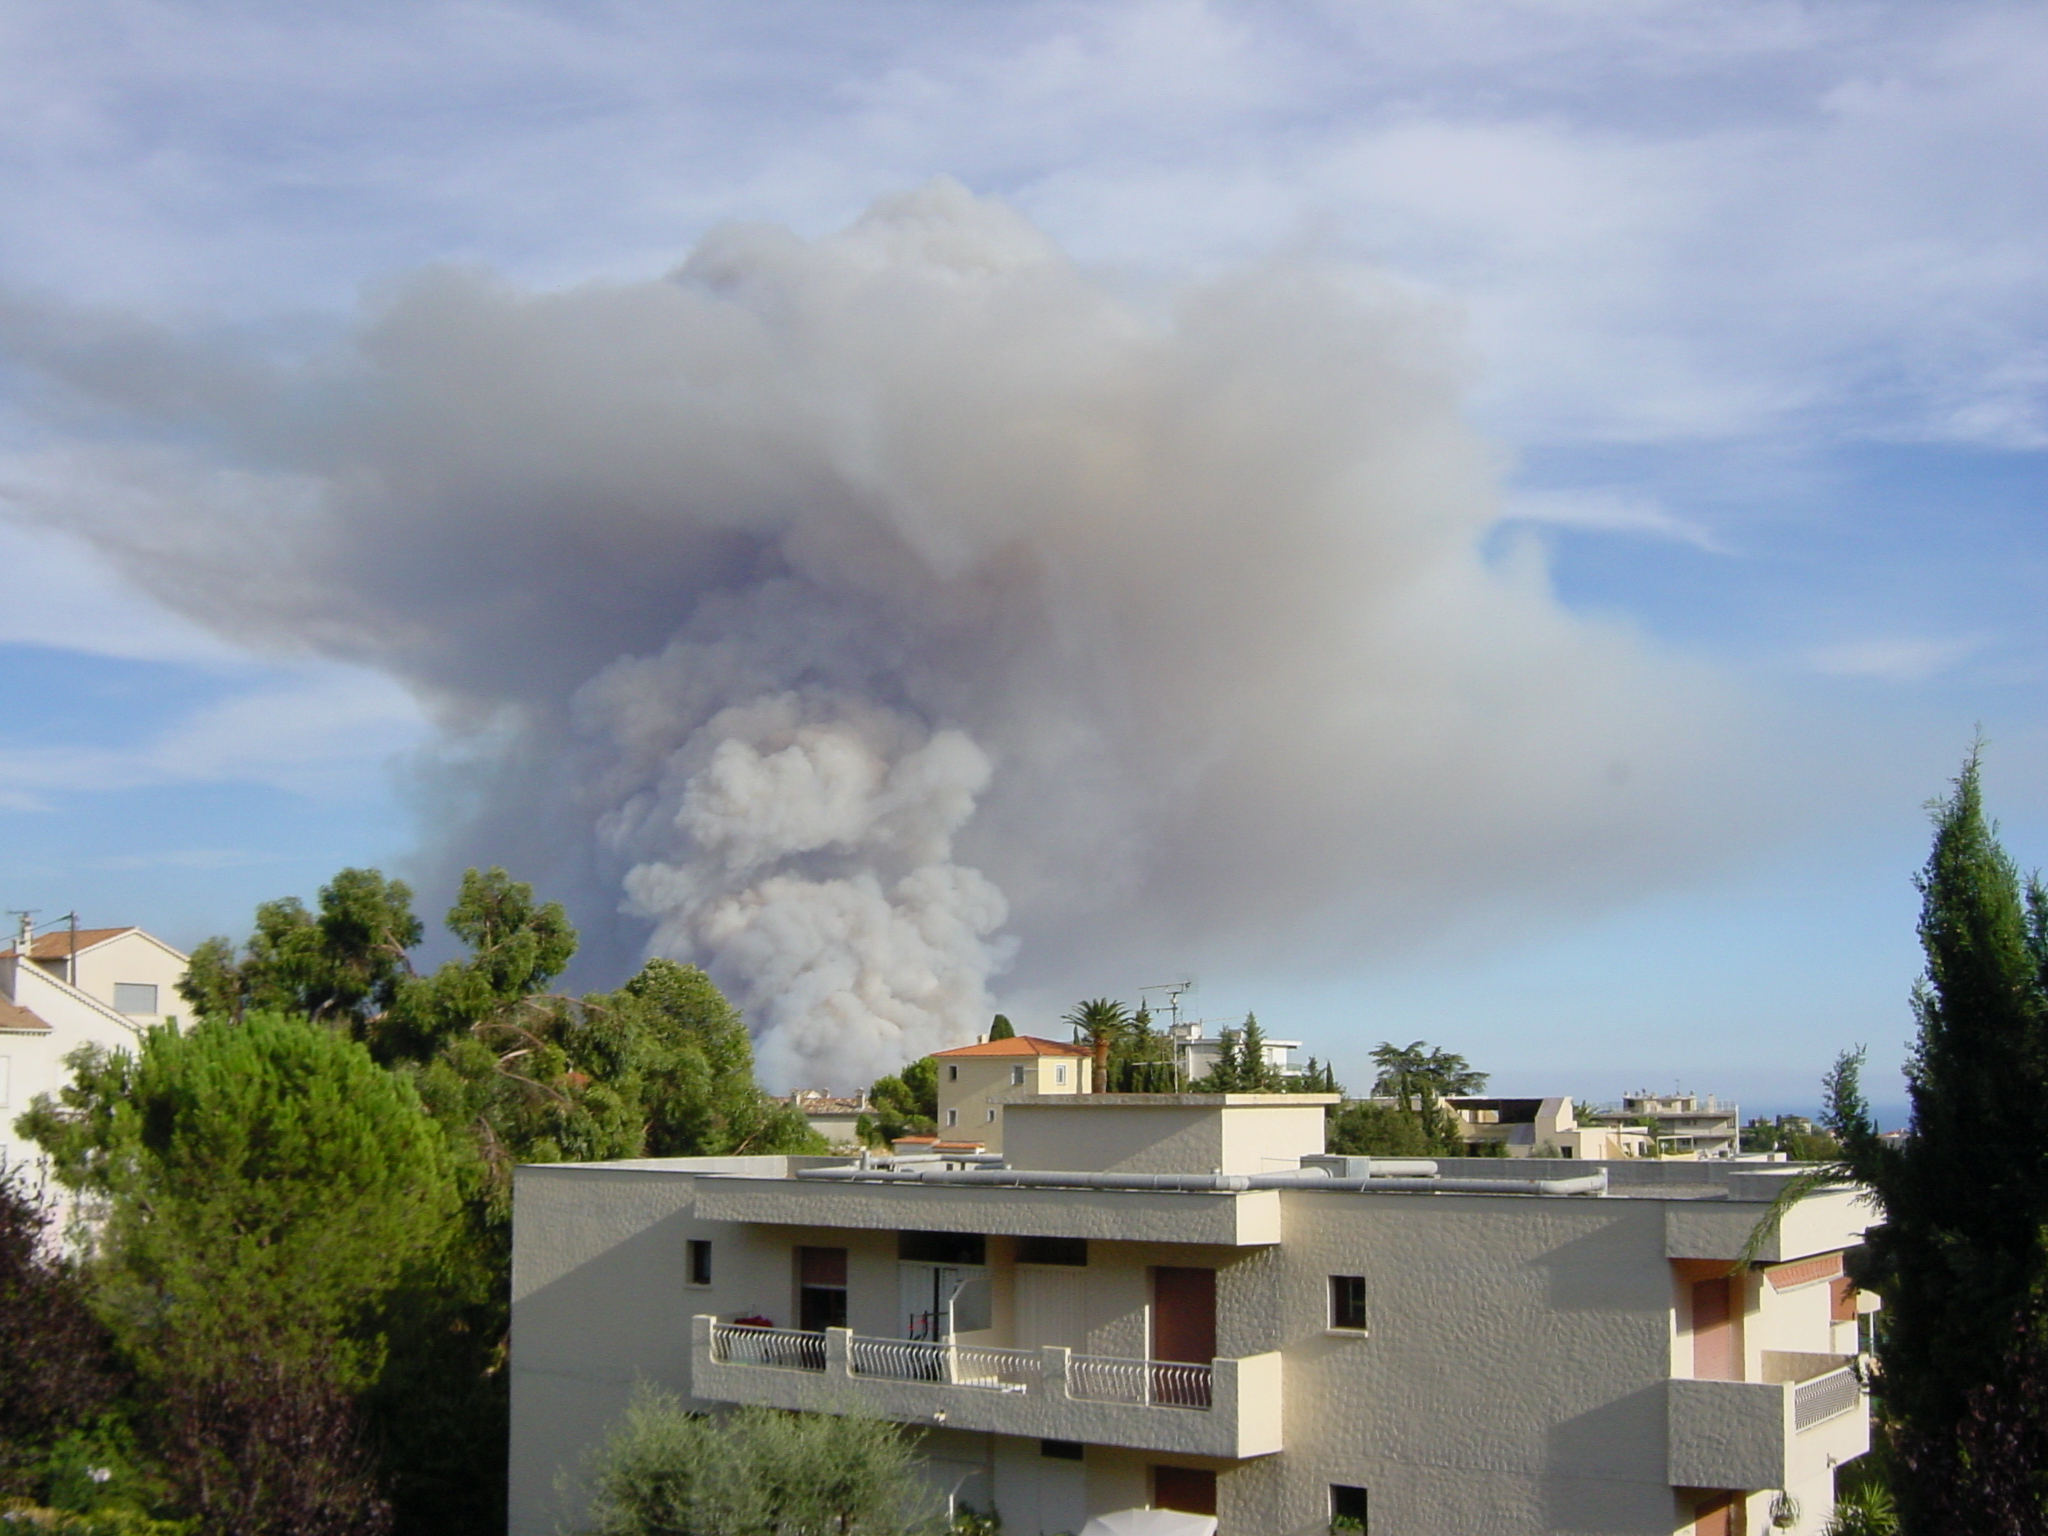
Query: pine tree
[(1960, 1255)]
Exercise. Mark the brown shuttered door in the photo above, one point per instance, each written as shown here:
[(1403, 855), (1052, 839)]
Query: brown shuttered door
[(1719, 1516), (1184, 1315), (1191, 1490), (1713, 1331)]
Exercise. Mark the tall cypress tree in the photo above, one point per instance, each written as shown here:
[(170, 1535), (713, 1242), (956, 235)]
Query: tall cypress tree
[(1960, 1255)]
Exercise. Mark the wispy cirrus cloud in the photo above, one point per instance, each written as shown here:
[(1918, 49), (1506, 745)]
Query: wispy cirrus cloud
[(1610, 511), (1900, 659)]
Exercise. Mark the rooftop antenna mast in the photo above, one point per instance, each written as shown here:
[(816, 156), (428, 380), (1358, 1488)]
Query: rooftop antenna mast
[(1175, 1031), (25, 933), (71, 960)]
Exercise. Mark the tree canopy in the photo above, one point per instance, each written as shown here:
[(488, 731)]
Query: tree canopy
[(1961, 1252), (754, 1472), (307, 1235)]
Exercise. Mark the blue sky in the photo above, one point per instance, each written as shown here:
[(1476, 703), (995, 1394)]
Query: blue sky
[(1747, 301)]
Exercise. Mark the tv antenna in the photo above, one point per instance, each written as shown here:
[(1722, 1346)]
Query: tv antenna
[(1173, 991)]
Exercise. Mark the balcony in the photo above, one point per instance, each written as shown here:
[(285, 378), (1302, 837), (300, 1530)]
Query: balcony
[(1228, 1408), (1767, 1434)]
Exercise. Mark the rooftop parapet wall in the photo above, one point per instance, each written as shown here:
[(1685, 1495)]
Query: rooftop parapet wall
[(1164, 1132)]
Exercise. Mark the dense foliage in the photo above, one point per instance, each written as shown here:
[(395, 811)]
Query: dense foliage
[(1960, 1254), (755, 1472), (306, 1196)]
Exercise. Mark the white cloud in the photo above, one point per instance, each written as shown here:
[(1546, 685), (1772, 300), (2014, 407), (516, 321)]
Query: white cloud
[(1608, 511), (319, 730), (1894, 660)]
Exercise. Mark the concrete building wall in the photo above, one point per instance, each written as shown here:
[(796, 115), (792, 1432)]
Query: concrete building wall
[(1167, 1133)]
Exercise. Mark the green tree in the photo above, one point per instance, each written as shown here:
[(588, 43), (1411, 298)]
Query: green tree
[(1366, 1129), (1419, 1077), (1141, 1060), (516, 947), (61, 1371), (1100, 1021), (903, 1103), (1960, 1254), (342, 964), (262, 1182), (1001, 1028), (756, 1472)]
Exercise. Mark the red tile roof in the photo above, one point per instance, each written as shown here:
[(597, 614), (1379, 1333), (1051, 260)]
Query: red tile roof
[(1017, 1045), (14, 1016), (57, 945)]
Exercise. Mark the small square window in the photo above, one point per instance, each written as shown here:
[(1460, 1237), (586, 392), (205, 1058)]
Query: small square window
[(1347, 1510), (1347, 1303), (700, 1261), (1016, 1077)]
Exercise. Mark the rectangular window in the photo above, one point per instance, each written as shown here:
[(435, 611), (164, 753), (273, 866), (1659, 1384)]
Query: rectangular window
[(1016, 1077), (1052, 1250), (952, 1117), (135, 997), (1062, 1450), (1059, 1076), (969, 1248), (4, 1063), (700, 1261), (821, 1288), (991, 1117), (1347, 1510), (1347, 1302), (952, 1071)]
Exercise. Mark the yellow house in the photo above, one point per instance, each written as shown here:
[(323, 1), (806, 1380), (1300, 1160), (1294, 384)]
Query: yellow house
[(975, 1082)]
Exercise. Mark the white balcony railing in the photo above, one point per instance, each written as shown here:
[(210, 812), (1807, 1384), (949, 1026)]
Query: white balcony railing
[(787, 1349), (1092, 1378), (1160, 1383), (1005, 1370)]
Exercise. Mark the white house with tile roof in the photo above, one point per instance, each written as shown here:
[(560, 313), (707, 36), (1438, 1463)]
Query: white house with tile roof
[(63, 989)]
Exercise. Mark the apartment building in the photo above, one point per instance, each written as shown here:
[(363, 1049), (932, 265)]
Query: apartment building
[(1179, 1301), (1687, 1124), (70, 987), (1542, 1128)]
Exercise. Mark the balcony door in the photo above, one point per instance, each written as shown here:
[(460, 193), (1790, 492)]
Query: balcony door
[(1184, 1314), (1052, 1307), (944, 1301), (1714, 1342)]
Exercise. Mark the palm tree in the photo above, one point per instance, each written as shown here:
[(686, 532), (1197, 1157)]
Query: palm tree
[(1099, 1021)]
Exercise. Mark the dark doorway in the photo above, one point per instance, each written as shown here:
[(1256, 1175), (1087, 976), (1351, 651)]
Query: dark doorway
[(820, 1289), (1191, 1490), (1184, 1315)]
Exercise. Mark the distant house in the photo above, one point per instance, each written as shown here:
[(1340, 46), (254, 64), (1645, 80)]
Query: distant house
[(835, 1118), (1195, 1054), (1686, 1124), (976, 1081), (1543, 1128), (63, 989)]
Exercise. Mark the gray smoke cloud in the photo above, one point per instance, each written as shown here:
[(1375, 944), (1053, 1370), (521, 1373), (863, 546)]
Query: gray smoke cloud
[(862, 616)]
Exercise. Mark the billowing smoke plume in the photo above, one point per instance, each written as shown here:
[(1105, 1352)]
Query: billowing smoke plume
[(841, 613)]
